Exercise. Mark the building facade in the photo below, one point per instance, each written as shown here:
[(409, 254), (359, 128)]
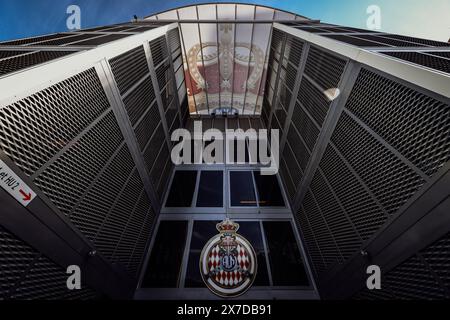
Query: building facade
[(86, 120)]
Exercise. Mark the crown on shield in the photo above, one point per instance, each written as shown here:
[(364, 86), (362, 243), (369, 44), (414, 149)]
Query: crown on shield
[(227, 226)]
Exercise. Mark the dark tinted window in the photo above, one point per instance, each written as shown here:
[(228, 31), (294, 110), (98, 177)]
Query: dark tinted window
[(241, 189), (269, 192), (201, 233), (182, 189), (163, 270), (210, 191), (284, 255), (205, 230), (252, 232)]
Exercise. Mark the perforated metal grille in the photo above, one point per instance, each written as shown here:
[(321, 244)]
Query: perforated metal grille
[(305, 126), (425, 60), (67, 40), (361, 208), (300, 150), (102, 40), (340, 227), (324, 68), (294, 169), (65, 180), (34, 129), (174, 39), (162, 74), (387, 41), (139, 100), (277, 40), (425, 275), (153, 147), (391, 180), (314, 101), (159, 50), (147, 126), (354, 41), (329, 252), (90, 212), (6, 54), (293, 50), (21, 62), (26, 274), (445, 54), (424, 42), (33, 40), (414, 124), (129, 68), (158, 166)]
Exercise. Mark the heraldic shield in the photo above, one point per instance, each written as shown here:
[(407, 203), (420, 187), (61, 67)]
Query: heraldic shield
[(228, 262)]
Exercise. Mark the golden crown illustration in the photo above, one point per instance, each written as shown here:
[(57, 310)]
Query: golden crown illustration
[(227, 226)]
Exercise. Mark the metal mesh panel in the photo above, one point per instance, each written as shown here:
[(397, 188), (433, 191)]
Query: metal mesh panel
[(293, 51), (301, 151), (102, 40), (365, 214), (324, 68), (425, 275), (35, 39), (425, 60), (91, 211), (277, 40), (147, 126), (6, 53), (420, 42), (159, 50), (290, 188), (391, 180), (139, 100), (129, 68), (314, 101), (174, 39), (293, 168), (165, 177), (162, 74), (47, 281), (329, 251), (62, 112), (338, 224), (445, 54), (305, 126), (115, 222), (16, 257), (354, 41), (67, 40), (158, 166), (26, 274), (154, 146), (414, 124), (65, 180), (21, 62), (387, 41), (129, 250)]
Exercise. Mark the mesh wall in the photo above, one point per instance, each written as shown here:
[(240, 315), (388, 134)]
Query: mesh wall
[(425, 275), (26, 274), (129, 67), (17, 63), (34, 129), (429, 61), (159, 50)]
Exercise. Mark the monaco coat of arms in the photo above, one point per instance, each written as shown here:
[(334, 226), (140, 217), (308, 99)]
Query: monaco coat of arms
[(228, 262)]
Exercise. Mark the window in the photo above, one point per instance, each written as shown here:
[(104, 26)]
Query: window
[(164, 266), (182, 189), (242, 191), (285, 261), (269, 192), (210, 190)]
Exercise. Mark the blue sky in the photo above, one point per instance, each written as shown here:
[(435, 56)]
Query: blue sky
[(421, 18)]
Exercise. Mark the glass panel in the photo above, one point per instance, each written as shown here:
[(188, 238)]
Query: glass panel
[(164, 266), (241, 189), (182, 189), (210, 190), (269, 191), (201, 233), (205, 230), (207, 12), (284, 256), (252, 232)]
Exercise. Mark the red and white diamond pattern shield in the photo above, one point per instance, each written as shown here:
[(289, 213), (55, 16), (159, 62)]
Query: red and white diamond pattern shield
[(229, 278)]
